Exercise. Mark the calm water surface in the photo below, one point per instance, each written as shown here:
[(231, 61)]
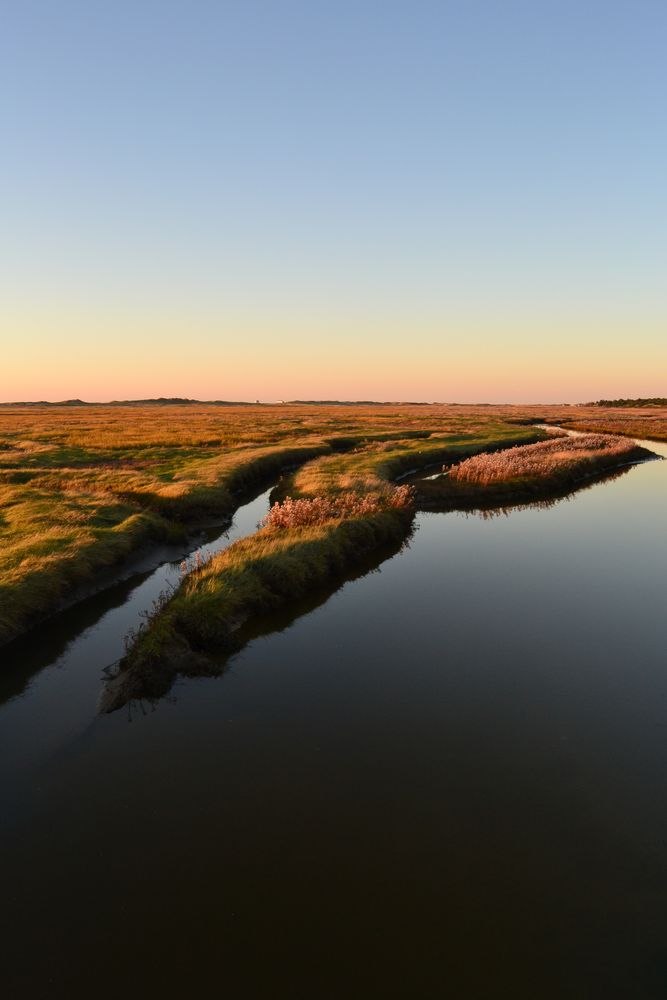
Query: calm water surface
[(448, 780)]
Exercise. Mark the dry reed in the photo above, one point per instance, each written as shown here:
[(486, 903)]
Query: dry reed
[(541, 460), (318, 510)]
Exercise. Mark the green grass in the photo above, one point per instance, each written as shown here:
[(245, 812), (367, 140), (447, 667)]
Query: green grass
[(256, 575), (372, 466), (55, 540)]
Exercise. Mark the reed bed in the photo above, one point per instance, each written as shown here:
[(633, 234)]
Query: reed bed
[(318, 510), (543, 460)]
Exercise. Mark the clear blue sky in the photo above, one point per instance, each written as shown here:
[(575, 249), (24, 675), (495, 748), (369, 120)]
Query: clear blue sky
[(450, 201)]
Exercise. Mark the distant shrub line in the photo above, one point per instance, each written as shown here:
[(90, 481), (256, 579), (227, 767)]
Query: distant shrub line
[(649, 401)]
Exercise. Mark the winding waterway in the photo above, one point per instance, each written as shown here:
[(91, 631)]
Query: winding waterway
[(448, 779)]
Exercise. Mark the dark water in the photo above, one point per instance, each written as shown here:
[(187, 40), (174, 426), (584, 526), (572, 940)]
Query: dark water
[(448, 780)]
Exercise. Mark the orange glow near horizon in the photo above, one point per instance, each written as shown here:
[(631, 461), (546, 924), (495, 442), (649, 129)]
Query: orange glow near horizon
[(391, 361), (345, 210)]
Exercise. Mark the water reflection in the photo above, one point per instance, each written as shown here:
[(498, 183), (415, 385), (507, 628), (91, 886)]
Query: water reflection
[(279, 620), (546, 503), (95, 628)]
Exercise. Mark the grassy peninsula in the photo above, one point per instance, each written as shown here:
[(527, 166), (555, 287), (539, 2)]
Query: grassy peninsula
[(527, 472), (342, 507)]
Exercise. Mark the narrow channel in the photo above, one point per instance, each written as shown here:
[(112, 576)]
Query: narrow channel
[(56, 674)]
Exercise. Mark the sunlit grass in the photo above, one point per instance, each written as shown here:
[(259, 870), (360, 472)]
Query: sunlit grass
[(544, 460), (347, 505)]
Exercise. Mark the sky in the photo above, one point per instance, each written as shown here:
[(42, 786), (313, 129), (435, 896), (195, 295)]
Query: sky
[(277, 199)]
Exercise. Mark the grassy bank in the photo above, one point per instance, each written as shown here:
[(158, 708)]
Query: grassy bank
[(375, 465), (55, 547), (344, 506), (528, 472), (256, 575)]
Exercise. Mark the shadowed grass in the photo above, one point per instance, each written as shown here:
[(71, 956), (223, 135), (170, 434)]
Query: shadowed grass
[(256, 575)]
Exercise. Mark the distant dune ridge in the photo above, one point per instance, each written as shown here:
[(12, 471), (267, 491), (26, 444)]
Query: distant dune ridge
[(184, 401), (159, 401)]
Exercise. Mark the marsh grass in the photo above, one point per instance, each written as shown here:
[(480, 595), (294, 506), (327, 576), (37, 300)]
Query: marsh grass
[(372, 466), (544, 460), (650, 425), (529, 473), (82, 489), (256, 575), (345, 507)]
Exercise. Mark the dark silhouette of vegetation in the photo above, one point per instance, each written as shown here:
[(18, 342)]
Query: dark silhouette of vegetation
[(650, 401)]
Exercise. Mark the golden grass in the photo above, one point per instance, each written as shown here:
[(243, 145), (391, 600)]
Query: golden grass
[(342, 506), (82, 488), (346, 507), (254, 575), (544, 460), (372, 466)]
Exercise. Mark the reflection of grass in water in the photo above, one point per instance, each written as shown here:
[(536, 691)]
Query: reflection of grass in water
[(494, 509), (39, 648), (268, 622), (254, 576), (345, 507), (84, 488), (257, 585)]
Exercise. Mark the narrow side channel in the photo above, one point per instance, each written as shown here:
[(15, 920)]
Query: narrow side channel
[(69, 648)]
